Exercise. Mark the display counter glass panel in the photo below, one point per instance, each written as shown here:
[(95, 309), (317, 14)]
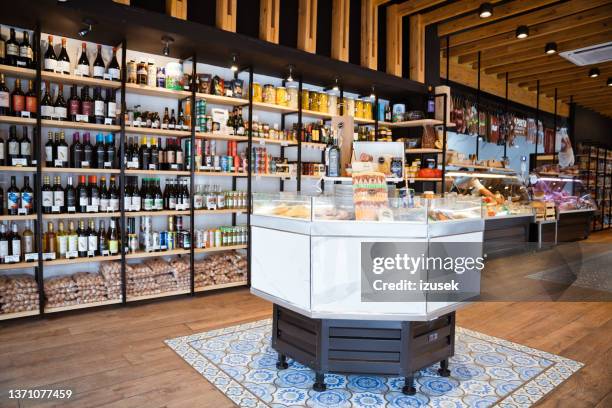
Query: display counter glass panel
[(568, 193)]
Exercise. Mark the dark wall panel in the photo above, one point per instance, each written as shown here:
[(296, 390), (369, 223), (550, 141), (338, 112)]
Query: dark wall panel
[(406, 47), (355, 32), (432, 55), (590, 126), (202, 11), (151, 5), (382, 39), (324, 27), (247, 20), (288, 24)]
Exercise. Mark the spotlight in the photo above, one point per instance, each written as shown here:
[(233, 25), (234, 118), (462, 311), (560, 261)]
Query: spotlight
[(373, 94), (88, 27), (290, 75), (336, 87), (522, 31), (166, 40), (485, 10), (610, 81), (594, 72), (550, 48), (234, 66)]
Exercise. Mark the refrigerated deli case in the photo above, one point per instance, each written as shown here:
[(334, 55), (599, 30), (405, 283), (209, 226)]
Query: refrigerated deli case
[(307, 256), (574, 205), (505, 201)]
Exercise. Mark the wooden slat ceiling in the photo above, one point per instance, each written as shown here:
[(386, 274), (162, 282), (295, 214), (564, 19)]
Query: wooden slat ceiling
[(571, 24)]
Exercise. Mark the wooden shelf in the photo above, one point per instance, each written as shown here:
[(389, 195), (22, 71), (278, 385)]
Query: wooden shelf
[(82, 260), (135, 172), (222, 100), (157, 132), (433, 179), (220, 174), (64, 124), (314, 145), (218, 249), (276, 175), (270, 107), (79, 80), (139, 255), (154, 213), (18, 72), (423, 150), (412, 123), (17, 217), (221, 286), (81, 215), (79, 171), (18, 265), (219, 136), (82, 306), (18, 169), (315, 114), (224, 211), (263, 140), (350, 179), (17, 315), (158, 295), (16, 120), (154, 91), (362, 121)]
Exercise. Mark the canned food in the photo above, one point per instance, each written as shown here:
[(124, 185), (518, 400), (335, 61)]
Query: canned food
[(146, 223), (257, 94), (163, 240), (269, 94), (224, 164), (133, 243), (155, 240), (200, 242)]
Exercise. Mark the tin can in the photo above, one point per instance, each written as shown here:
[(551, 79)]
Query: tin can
[(216, 163), (171, 240), (269, 94), (199, 239), (218, 238), (133, 243), (257, 94), (146, 223), (211, 238), (281, 96), (163, 240), (224, 164), (155, 241), (186, 240), (208, 162), (147, 241)]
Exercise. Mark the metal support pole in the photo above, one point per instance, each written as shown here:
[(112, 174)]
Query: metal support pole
[(249, 176), (505, 118), (537, 120), (554, 152), (299, 139), (194, 63), (122, 181), (448, 61), (37, 142), (478, 108)]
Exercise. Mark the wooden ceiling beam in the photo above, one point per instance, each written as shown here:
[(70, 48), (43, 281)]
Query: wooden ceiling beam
[(369, 33), (500, 12), (269, 16), (594, 92), (417, 48), (539, 72), (394, 41), (579, 73), (414, 6), (575, 22), (532, 19), (225, 17), (575, 84), (453, 10), (340, 29), (572, 90), (554, 63), (307, 26)]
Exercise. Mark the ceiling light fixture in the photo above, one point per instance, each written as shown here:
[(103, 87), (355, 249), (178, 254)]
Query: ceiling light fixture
[(610, 81), (89, 23), (485, 10), (550, 48), (522, 31), (373, 94), (234, 66), (594, 72), (336, 86), (166, 40), (290, 75)]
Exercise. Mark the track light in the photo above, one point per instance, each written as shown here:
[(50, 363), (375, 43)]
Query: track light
[(609, 81), (373, 94), (167, 40), (485, 10), (290, 75), (336, 86), (234, 66), (522, 31), (88, 27), (594, 72), (550, 48)]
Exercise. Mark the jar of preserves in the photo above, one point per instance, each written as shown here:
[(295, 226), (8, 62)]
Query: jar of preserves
[(332, 103), (323, 102), (141, 73), (305, 99), (314, 101), (269, 94), (349, 106), (367, 110), (292, 96), (132, 72), (281, 96), (257, 96), (359, 108)]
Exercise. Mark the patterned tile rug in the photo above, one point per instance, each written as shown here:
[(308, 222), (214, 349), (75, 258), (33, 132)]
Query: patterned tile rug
[(485, 371)]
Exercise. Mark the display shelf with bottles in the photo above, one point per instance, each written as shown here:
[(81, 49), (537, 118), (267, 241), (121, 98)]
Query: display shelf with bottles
[(157, 132), (79, 80), (17, 72), (595, 164), (222, 100), (146, 90), (220, 136)]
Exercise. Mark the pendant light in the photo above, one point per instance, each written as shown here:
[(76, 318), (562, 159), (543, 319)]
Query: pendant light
[(166, 40), (485, 10), (522, 32), (234, 66), (551, 48), (594, 72), (290, 75)]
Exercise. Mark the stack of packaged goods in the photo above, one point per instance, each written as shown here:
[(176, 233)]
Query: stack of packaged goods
[(157, 276), (91, 287), (140, 280), (111, 274), (181, 270), (61, 291), (220, 268), (165, 275), (18, 293)]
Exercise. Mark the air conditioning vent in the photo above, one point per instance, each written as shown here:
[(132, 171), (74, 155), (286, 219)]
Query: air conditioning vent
[(594, 54)]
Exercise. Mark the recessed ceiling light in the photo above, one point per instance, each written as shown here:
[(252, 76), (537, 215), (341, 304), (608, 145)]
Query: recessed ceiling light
[(485, 10), (551, 48), (594, 72), (522, 31)]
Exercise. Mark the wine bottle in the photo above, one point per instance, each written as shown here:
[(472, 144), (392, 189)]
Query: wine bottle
[(92, 239), (93, 195), (49, 240), (104, 196), (111, 106), (59, 197), (2, 52), (158, 198), (111, 154), (47, 196), (102, 241), (30, 99), (144, 154), (60, 108), (99, 107), (179, 155), (15, 242), (74, 104), (4, 243), (71, 197), (162, 155), (5, 98), (61, 158), (87, 104), (47, 109), (172, 121), (113, 195), (27, 197), (98, 66), (82, 240), (88, 152), (2, 152), (63, 62), (154, 164), (82, 195), (62, 241), (13, 146), (28, 245), (25, 147), (82, 67), (76, 152), (50, 59), (12, 49), (13, 198), (73, 241), (100, 152), (18, 99), (113, 67), (49, 151), (113, 238), (25, 52)]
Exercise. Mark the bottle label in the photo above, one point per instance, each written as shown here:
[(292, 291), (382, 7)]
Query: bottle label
[(62, 153), (82, 242), (114, 73), (4, 99), (113, 246), (58, 198), (73, 243), (3, 249), (113, 204), (62, 242), (63, 66), (12, 200), (99, 108), (49, 153), (104, 204), (12, 49), (112, 109), (27, 200), (159, 204), (127, 203), (95, 202), (25, 149), (25, 52), (82, 69), (92, 243), (98, 72), (2, 152), (18, 103), (74, 107), (28, 244), (30, 103), (61, 112), (83, 201), (50, 64), (47, 198), (16, 247), (47, 110), (13, 148), (86, 108)]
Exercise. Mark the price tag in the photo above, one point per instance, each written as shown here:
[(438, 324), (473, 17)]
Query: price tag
[(71, 209), (25, 114), (85, 164), (171, 126), (154, 125), (185, 127), (58, 163), (20, 162), (34, 162), (152, 167), (82, 118), (203, 168), (107, 77), (105, 252), (55, 209), (72, 254), (108, 121), (22, 211), (163, 247), (174, 166), (137, 123), (284, 144), (31, 257), (92, 208), (262, 142), (48, 256), (11, 259), (411, 180), (54, 116), (132, 165), (91, 253)]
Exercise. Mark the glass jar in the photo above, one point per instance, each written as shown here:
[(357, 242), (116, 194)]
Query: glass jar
[(269, 94), (323, 102), (349, 106), (359, 108), (314, 101), (292, 96), (367, 110), (332, 103), (257, 95), (132, 72), (281, 96), (305, 99)]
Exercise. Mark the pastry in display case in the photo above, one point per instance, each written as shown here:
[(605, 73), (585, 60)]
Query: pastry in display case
[(285, 205), (501, 191), (568, 193)]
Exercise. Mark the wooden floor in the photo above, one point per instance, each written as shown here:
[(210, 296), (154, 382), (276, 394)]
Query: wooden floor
[(115, 357)]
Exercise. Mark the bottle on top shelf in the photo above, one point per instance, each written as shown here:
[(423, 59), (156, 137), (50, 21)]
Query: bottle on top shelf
[(12, 49), (18, 54)]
